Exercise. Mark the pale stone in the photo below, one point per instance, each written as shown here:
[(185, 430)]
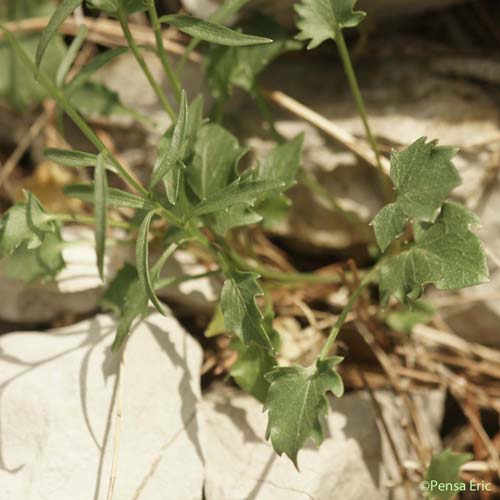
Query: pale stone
[(240, 464), (58, 413)]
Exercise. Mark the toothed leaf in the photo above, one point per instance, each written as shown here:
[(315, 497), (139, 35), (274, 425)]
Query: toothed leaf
[(320, 19), (297, 405), (423, 175), (241, 314), (445, 253)]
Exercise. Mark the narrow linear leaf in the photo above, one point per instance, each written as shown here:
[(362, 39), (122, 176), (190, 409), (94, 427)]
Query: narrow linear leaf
[(173, 153), (69, 58), (297, 404), (236, 193), (211, 32), (142, 260), (64, 10), (100, 211), (116, 197), (70, 158)]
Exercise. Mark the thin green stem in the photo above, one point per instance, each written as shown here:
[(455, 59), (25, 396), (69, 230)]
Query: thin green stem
[(162, 53), (122, 18), (63, 102), (343, 315), (353, 84)]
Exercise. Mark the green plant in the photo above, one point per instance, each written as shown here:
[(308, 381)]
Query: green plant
[(198, 191)]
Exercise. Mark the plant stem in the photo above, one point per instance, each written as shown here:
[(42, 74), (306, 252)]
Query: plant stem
[(122, 18), (353, 84), (63, 102), (172, 78), (343, 315)]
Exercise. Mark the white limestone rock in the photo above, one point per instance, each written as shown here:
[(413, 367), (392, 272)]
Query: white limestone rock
[(58, 413)]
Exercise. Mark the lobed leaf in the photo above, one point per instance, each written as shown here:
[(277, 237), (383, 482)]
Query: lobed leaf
[(100, 211), (297, 404), (241, 314), (423, 175), (445, 253), (63, 11), (319, 20), (212, 32)]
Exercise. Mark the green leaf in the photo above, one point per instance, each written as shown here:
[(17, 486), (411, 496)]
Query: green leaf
[(171, 150), (116, 197), (127, 298), (282, 163), (254, 362), (216, 156), (41, 263), (100, 211), (226, 10), (406, 317), (216, 325), (113, 6), (235, 216), (445, 253), (88, 71), (71, 54), (142, 260), (319, 20), (297, 404), (70, 158), (445, 469), (239, 66), (36, 223), (212, 32), (238, 192), (423, 175), (64, 10), (17, 82), (241, 314), (23, 222)]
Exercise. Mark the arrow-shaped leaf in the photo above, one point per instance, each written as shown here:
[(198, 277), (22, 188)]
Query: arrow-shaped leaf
[(297, 404)]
